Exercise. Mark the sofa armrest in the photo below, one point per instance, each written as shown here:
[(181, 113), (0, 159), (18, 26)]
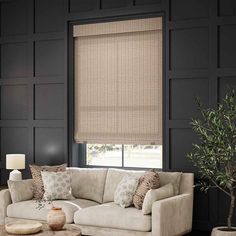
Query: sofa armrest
[(172, 216), (5, 200)]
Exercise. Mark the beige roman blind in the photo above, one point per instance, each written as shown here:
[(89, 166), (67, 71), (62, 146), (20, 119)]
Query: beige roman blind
[(118, 82)]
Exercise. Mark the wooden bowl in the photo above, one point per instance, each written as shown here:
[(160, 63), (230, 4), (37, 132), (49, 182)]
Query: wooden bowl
[(23, 228)]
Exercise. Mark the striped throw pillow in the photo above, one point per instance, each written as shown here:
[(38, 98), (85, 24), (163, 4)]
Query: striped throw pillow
[(150, 180)]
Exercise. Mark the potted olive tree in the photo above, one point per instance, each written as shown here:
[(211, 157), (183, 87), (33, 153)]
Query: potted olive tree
[(215, 155)]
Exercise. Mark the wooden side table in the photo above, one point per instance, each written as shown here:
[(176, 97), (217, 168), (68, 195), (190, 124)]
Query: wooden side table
[(67, 231)]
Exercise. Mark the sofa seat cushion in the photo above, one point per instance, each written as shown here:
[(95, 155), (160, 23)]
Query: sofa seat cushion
[(29, 209), (110, 215)]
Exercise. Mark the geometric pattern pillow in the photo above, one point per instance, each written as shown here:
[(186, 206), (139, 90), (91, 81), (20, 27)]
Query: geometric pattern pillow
[(125, 191), (150, 180), (38, 188), (57, 185)]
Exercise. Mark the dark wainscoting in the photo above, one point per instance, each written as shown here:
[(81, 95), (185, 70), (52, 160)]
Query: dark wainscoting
[(36, 85)]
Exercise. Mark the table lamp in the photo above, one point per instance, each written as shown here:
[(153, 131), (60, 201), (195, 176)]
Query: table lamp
[(15, 162)]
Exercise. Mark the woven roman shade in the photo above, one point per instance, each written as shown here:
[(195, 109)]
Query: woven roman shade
[(118, 82)]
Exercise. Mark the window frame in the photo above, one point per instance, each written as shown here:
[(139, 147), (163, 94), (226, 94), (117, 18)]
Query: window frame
[(77, 152)]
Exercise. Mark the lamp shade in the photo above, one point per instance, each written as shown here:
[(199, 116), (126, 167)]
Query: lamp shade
[(15, 161)]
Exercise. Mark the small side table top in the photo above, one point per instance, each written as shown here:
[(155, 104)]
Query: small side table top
[(67, 231)]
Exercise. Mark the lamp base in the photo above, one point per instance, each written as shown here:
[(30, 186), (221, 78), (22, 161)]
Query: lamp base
[(15, 175)]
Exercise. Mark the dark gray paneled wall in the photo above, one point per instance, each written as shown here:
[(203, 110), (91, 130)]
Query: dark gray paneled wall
[(200, 60), (33, 84)]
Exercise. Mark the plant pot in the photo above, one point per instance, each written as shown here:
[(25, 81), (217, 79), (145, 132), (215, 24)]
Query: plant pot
[(217, 231), (56, 219)]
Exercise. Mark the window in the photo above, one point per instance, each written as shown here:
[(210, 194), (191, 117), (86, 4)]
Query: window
[(118, 92), (141, 156)]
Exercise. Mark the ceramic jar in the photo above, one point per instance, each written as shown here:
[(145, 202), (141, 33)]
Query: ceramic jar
[(218, 232), (56, 218)]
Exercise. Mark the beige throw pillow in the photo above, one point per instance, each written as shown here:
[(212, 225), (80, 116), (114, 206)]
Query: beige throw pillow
[(20, 190), (171, 177), (125, 191), (57, 185), (150, 180), (155, 195), (37, 178)]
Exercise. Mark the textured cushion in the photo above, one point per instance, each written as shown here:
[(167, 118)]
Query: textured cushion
[(113, 216), (150, 180), (20, 190), (37, 178), (171, 177), (114, 176), (155, 195), (125, 191), (186, 183), (88, 183), (29, 210), (57, 185)]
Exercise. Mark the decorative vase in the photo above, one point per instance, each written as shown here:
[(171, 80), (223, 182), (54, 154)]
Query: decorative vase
[(56, 218), (222, 231)]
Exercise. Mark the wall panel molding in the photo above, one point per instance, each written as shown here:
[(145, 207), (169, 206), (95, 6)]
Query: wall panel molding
[(199, 38), (18, 37)]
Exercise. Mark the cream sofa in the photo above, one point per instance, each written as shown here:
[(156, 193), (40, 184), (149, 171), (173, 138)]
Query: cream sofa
[(94, 211)]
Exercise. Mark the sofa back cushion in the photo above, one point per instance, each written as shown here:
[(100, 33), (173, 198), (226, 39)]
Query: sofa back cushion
[(88, 183), (114, 176), (21, 190)]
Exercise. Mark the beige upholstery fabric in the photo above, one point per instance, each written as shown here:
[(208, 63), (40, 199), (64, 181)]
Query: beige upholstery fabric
[(71, 206), (171, 177), (101, 231), (114, 176), (111, 215), (21, 190), (88, 183), (156, 195), (186, 183), (172, 216), (5, 200), (28, 209)]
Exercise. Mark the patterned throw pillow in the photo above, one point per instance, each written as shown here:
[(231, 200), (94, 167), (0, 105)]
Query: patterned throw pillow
[(150, 180), (38, 188), (57, 185), (125, 191)]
